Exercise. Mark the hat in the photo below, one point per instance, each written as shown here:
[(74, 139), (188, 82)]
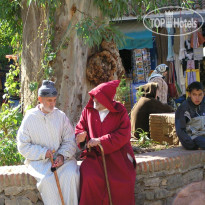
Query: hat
[(162, 68), (47, 89)]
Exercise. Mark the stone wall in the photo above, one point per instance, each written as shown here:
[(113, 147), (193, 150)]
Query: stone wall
[(160, 177), (17, 187)]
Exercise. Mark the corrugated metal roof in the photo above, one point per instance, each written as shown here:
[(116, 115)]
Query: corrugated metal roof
[(198, 5)]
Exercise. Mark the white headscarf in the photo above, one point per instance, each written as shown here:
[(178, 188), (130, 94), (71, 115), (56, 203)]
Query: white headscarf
[(158, 71)]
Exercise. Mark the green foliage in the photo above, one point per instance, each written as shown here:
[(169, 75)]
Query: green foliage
[(10, 11), (10, 120), (49, 56), (143, 141), (139, 93), (119, 8), (94, 30), (5, 41), (9, 154), (33, 86), (113, 8), (51, 3), (10, 28), (123, 91), (12, 84)]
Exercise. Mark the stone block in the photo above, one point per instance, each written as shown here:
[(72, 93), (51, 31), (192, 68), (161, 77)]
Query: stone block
[(153, 202), (2, 201), (153, 182), (39, 196), (169, 200), (139, 199), (164, 182), (13, 191), (149, 195), (161, 193), (18, 201), (32, 195), (174, 181), (39, 203), (162, 128), (193, 176), (10, 202)]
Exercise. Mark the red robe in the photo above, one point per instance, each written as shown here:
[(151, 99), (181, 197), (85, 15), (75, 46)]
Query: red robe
[(114, 133)]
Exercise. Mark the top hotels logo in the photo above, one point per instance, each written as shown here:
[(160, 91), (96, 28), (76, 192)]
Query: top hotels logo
[(173, 17)]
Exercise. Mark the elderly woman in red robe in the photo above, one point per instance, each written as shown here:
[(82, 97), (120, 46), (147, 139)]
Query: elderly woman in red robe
[(106, 122)]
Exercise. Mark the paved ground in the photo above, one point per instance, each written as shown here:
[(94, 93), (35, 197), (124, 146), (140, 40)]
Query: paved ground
[(193, 194)]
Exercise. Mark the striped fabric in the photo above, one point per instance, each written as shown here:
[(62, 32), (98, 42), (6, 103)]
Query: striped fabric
[(38, 133)]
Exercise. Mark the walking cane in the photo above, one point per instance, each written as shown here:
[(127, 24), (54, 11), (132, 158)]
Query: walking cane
[(105, 171), (53, 169)]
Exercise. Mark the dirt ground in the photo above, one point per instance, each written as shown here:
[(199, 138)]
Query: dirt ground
[(152, 147)]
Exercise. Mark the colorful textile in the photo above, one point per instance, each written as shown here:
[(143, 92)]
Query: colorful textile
[(190, 64), (170, 55)]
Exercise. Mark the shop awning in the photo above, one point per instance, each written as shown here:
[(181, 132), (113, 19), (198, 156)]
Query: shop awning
[(137, 35), (140, 39)]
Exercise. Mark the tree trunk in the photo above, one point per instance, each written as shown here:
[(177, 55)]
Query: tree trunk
[(71, 61), (32, 16), (70, 64)]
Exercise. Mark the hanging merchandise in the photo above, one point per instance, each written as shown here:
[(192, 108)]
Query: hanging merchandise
[(197, 39), (176, 46), (172, 91), (182, 38), (170, 56), (190, 64), (191, 76), (142, 65), (179, 75), (198, 53)]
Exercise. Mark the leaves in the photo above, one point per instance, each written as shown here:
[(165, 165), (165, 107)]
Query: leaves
[(33, 86), (123, 91), (12, 84), (94, 30), (9, 154), (10, 120)]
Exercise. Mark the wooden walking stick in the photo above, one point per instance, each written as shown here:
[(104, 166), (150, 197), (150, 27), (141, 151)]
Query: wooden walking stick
[(53, 169), (105, 171)]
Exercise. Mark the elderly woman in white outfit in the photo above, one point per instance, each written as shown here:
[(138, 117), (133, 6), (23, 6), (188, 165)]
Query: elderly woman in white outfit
[(44, 129), (158, 76)]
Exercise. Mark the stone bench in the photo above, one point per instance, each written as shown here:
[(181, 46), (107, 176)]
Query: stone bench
[(162, 128), (17, 187), (160, 176)]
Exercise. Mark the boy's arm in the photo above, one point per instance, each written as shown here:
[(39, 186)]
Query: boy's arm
[(180, 124)]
